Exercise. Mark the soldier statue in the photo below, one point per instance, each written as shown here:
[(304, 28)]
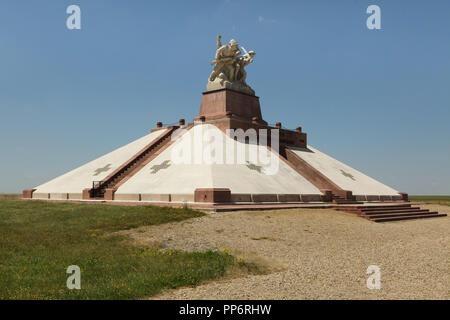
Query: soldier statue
[(229, 69)]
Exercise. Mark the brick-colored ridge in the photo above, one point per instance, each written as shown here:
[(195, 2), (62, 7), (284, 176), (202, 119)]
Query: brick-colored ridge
[(167, 142), (314, 176), (115, 179)]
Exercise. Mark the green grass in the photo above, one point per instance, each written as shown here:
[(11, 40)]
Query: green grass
[(442, 200), (39, 240)]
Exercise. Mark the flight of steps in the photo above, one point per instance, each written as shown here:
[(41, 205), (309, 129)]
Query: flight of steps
[(131, 167), (389, 212)]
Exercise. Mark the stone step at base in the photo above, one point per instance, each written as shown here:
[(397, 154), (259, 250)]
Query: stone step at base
[(386, 213), (373, 207), (389, 206), (430, 215), (368, 213), (394, 214), (345, 202), (390, 209)]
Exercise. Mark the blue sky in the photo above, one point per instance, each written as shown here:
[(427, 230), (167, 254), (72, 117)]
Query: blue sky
[(378, 100)]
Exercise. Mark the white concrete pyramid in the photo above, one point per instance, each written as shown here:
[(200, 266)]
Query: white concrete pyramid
[(193, 161)]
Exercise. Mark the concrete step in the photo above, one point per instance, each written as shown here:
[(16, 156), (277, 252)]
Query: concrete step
[(392, 214), (344, 201), (348, 210), (374, 207), (430, 215), (394, 211), (390, 209), (384, 206)]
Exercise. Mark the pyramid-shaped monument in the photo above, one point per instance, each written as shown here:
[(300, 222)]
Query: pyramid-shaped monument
[(228, 155)]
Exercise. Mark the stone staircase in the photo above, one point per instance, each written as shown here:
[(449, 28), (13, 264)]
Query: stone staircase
[(389, 212), (129, 168)]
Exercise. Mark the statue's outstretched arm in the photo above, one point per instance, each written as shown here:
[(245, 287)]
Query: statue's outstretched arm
[(219, 43)]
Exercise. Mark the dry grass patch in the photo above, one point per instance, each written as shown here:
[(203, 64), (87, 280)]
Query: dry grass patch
[(318, 254)]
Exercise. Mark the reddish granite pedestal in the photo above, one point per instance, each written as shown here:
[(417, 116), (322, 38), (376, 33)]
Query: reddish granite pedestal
[(222, 103), (228, 109)]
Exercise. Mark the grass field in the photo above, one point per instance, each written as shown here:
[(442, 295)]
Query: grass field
[(442, 200), (39, 240)]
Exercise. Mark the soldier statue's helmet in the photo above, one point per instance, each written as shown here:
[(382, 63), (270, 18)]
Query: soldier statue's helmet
[(233, 42)]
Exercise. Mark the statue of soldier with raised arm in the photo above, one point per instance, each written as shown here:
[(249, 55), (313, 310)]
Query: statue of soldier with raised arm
[(226, 59), (229, 66)]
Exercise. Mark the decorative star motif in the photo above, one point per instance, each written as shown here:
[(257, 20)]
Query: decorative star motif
[(164, 165), (348, 175), (104, 169), (253, 166)]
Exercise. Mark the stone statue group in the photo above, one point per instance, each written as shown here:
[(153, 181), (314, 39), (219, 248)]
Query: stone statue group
[(229, 69)]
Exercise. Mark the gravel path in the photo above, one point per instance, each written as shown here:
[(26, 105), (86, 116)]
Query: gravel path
[(315, 254)]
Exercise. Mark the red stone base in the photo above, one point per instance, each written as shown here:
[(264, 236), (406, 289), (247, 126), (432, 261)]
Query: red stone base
[(109, 194), (86, 194), (228, 109), (28, 193), (212, 195), (218, 104), (219, 207)]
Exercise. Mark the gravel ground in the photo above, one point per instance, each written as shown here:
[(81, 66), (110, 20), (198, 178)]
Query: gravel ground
[(315, 254)]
